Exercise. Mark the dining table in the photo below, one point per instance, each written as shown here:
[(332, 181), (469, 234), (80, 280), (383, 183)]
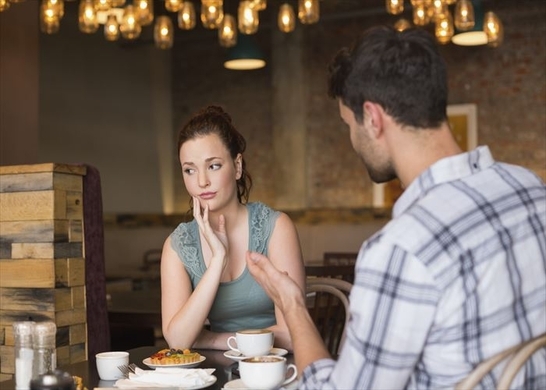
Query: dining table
[(225, 369)]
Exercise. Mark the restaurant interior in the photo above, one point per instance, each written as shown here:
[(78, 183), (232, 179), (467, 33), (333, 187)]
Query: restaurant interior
[(71, 97)]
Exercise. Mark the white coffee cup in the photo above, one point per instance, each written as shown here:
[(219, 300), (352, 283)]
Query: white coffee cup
[(252, 342), (266, 372), (108, 363)]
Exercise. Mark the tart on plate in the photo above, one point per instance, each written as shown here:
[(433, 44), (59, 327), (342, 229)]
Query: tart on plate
[(174, 356)]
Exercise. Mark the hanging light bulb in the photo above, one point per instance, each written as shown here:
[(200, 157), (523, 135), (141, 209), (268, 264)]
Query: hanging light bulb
[(402, 24), (173, 5), (87, 17), (129, 27), (394, 7), (103, 5), (144, 11), (248, 18), (57, 7), (49, 18), (227, 32), (259, 5), (287, 18), (493, 28), (308, 11), (163, 32), (186, 16), (4, 5), (212, 13), (111, 28), (444, 28), (464, 15), (420, 15), (438, 9)]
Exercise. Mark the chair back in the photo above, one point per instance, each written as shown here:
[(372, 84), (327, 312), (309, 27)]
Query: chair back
[(517, 356), (328, 305), (339, 258)]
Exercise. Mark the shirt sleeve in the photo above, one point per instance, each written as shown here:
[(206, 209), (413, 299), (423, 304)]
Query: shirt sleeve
[(392, 308)]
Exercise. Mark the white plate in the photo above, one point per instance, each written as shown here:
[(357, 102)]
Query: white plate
[(237, 384), (236, 356), (149, 363)]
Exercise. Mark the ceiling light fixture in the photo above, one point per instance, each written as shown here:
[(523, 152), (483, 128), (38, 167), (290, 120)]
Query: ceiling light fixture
[(245, 55)]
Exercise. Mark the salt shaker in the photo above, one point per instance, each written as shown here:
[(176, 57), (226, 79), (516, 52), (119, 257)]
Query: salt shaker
[(23, 334), (45, 356)]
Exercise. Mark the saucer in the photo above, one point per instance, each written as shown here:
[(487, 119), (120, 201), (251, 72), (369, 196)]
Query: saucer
[(233, 355), (237, 384)]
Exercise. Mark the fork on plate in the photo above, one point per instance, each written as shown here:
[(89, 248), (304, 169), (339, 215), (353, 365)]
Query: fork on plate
[(126, 369)]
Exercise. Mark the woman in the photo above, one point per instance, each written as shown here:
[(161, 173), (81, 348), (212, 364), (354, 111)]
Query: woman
[(203, 269)]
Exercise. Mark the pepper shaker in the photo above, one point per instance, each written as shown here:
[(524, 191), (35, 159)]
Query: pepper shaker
[(45, 356), (23, 334)]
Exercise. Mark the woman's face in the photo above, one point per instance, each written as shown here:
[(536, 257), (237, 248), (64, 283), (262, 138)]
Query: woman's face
[(209, 172)]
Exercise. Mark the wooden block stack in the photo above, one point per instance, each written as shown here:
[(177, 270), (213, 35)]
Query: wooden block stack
[(42, 264)]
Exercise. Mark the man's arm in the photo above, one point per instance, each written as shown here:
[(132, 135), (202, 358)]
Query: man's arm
[(290, 298)]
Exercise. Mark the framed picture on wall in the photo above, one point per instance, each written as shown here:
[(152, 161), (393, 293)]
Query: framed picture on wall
[(463, 121)]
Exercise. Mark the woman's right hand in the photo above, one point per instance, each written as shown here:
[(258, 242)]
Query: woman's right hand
[(216, 240)]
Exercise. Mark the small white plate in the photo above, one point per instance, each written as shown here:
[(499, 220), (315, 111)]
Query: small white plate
[(237, 384), (237, 356), (149, 363)]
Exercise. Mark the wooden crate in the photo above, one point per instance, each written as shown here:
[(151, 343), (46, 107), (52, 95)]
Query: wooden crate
[(42, 262)]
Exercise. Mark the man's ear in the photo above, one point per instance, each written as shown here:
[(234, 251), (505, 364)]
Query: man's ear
[(373, 115)]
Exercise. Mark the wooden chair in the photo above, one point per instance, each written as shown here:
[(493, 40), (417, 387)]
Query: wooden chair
[(517, 355), (328, 304)]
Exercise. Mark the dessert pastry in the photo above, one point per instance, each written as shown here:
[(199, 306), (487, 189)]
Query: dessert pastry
[(174, 356)]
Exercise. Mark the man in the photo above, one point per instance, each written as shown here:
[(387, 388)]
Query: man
[(458, 274)]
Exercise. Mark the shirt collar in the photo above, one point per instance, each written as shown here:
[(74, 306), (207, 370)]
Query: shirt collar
[(444, 170)]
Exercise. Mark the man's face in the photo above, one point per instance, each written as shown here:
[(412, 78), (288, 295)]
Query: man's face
[(368, 148)]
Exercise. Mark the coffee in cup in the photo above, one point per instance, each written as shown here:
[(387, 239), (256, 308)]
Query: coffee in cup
[(266, 372), (252, 342)]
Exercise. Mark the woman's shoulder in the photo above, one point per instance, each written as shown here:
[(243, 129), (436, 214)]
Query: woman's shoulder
[(184, 231)]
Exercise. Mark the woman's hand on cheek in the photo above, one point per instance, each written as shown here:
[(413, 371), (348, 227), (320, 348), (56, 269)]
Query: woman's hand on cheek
[(217, 240)]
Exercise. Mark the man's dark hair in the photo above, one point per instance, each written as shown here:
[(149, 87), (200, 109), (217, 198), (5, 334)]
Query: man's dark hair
[(401, 71)]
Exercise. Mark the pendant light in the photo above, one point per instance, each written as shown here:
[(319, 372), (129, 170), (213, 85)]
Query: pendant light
[(87, 17), (443, 28), (129, 27), (4, 5), (245, 55), (473, 36), (212, 13), (111, 28), (227, 32), (49, 17), (186, 16), (163, 32), (394, 7), (308, 11), (247, 18), (287, 18), (420, 15), (144, 11), (173, 5), (492, 26)]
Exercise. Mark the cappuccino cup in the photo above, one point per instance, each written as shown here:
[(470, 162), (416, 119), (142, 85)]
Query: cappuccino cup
[(252, 342), (266, 372)]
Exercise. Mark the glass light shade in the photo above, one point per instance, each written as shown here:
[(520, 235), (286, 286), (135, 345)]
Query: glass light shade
[(103, 5), (173, 5), (308, 11), (464, 15), (443, 29), (57, 7), (227, 32), (438, 9), (87, 17), (245, 55), (144, 11), (493, 29), (420, 15), (259, 5), (212, 13), (4, 5), (111, 28), (186, 16), (394, 7), (49, 20), (163, 32), (476, 35), (287, 18), (248, 18), (402, 24), (118, 3), (129, 27)]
